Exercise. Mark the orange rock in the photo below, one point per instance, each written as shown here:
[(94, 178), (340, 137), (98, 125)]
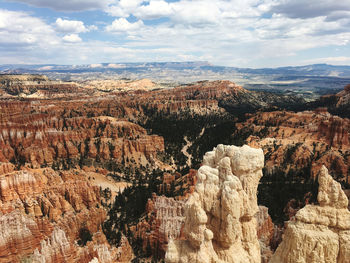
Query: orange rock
[(42, 213)]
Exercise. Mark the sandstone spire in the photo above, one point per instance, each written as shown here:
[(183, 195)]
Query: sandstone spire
[(319, 233), (220, 225)]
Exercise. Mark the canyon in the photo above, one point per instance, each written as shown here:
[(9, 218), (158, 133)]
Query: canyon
[(43, 212), (101, 171), (220, 216), (311, 136)]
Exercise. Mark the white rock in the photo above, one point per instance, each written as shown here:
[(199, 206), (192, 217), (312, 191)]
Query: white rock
[(220, 225), (319, 233)]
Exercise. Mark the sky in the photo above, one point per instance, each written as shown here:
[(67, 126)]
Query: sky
[(239, 33)]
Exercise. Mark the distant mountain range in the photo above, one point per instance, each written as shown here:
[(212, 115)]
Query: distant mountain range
[(313, 79), (308, 70)]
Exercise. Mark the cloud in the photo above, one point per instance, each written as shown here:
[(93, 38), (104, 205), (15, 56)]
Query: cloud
[(123, 8), (310, 8), (123, 25), (193, 12), (189, 11), (92, 28), (70, 26), (338, 15), (72, 38), (225, 32), (155, 9), (19, 28), (68, 5)]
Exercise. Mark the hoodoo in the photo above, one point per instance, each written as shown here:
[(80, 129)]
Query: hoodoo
[(220, 225), (319, 233)]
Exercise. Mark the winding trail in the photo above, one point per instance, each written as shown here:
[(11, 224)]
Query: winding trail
[(188, 145), (184, 151)]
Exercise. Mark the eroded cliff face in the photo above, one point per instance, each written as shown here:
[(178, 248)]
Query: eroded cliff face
[(319, 233), (37, 86), (46, 139), (220, 223), (43, 213), (337, 104), (165, 218), (299, 140)]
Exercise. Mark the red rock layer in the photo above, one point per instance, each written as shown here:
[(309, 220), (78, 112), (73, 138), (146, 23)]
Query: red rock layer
[(42, 213), (265, 231), (315, 138), (165, 220), (41, 139)]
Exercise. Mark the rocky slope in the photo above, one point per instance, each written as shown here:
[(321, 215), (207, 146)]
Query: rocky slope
[(344, 97), (337, 104), (78, 124), (267, 233), (101, 126), (220, 217), (37, 86), (120, 85), (43, 213), (165, 218), (300, 139), (40, 139), (319, 233), (296, 146), (140, 95), (220, 224), (228, 95)]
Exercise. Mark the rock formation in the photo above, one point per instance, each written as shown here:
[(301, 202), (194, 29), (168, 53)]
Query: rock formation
[(36, 86), (319, 233), (165, 217), (42, 139), (220, 224), (42, 213), (297, 140), (265, 232), (337, 104)]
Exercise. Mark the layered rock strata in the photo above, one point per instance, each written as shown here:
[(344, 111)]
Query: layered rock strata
[(165, 218), (220, 223), (265, 232), (47, 140), (298, 140), (43, 213), (319, 233)]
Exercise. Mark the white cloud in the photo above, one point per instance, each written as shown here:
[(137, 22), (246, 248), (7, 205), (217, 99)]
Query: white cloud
[(68, 5), (72, 38), (18, 28), (123, 25), (92, 28), (123, 8), (193, 12), (155, 9), (226, 32), (70, 26)]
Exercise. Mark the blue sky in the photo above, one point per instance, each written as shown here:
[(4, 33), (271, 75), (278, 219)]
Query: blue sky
[(249, 33)]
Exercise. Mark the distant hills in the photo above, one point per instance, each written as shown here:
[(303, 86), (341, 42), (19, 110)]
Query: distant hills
[(310, 80), (308, 70)]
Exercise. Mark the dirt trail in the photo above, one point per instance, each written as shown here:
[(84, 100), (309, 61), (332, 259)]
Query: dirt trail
[(188, 145)]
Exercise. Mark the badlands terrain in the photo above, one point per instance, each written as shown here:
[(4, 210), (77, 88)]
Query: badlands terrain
[(104, 170)]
